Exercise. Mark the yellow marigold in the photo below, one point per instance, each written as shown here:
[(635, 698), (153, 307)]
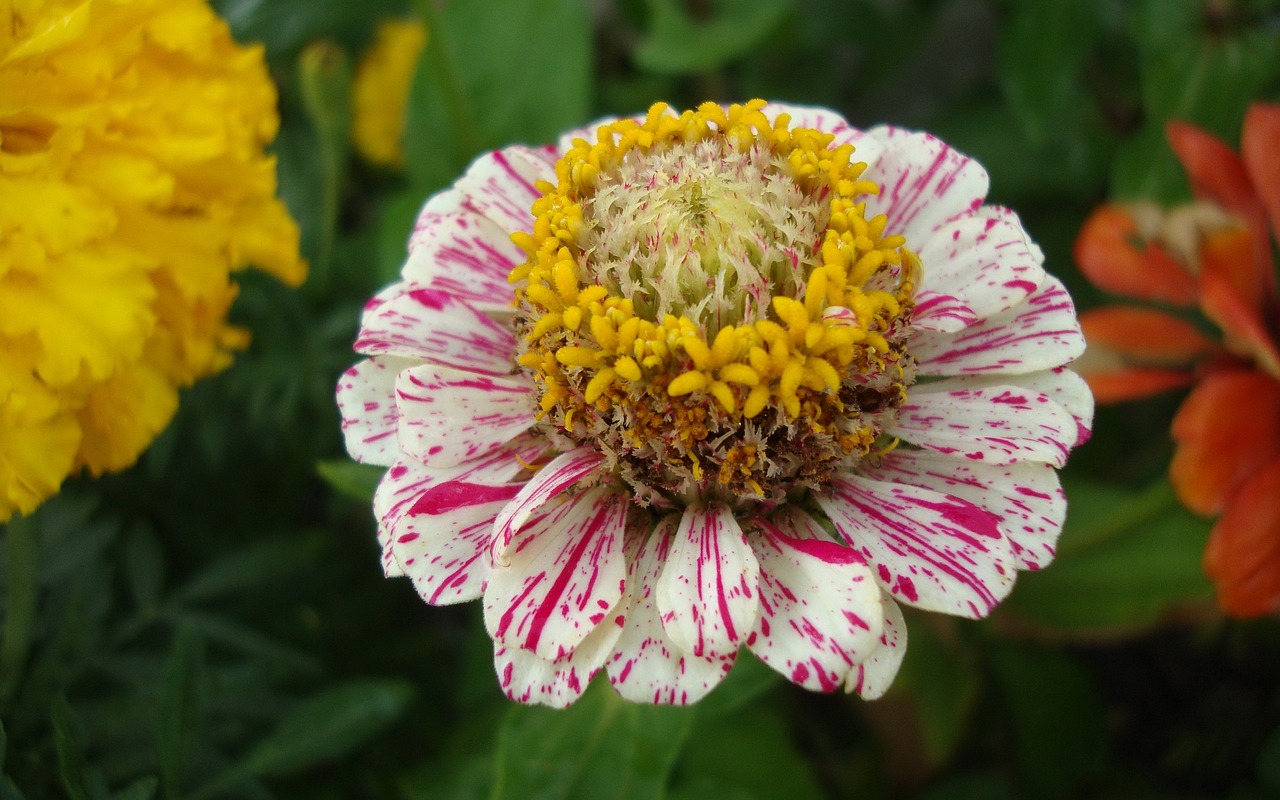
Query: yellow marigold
[(132, 180), (381, 90)]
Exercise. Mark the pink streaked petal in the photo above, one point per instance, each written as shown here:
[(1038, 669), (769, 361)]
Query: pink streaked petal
[(941, 313), (985, 261), (564, 574), (527, 678), (367, 402), (923, 184), (1026, 499), (1061, 385), (564, 471), (646, 667), (708, 593), (434, 326), (441, 543), (927, 549), (448, 416), (1040, 333), (819, 606), (500, 185), (827, 121), (408, 480), (465, 255), (997, 424), (873, 677)]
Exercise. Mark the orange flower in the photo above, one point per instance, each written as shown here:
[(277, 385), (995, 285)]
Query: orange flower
[(1215, 253)]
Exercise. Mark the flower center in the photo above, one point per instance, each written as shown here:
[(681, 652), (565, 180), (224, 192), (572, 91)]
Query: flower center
[(706, 303)]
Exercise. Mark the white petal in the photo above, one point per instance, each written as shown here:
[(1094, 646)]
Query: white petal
[(998, 423), (941, 313), (500, 185), (433, 326), (1061, 385), (528, 678), (466, 255), (448, 416), (564, 471), (646, 666), (819, 607), (565, 572), (407, 480), (929, 550), (708, 593), (987, 262), (367, 402), (1040, 333), (1026, 499), (923, 184), (442, 542), (872, 678)]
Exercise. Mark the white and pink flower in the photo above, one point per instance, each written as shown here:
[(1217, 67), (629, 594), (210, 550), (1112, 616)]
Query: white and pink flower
[(668, 437)]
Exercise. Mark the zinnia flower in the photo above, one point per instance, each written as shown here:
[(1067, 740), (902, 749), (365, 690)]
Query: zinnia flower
[(1217, 253), (132, 179), (677, 436), (380, 91)]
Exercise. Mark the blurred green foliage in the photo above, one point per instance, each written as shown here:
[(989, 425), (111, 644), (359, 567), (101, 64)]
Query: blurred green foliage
[(213, 624)]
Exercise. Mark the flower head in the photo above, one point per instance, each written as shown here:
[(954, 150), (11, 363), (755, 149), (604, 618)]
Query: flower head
[(132, 179), (736, 376), (1215, 252), (380, 91)]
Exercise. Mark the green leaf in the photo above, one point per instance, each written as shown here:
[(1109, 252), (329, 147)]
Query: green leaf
[(1124, 559), (351, 479), (79, 780), (178, 711), (746, 683), (329, 725), (231, 634), (324, 80), (939, 676), (1269, 764), (1059, 727), (21, 578), (141, 789), (601, 740), (270, 560), (464, 98), (677, 43), (288, 25), (1043, 51), (143, 567)]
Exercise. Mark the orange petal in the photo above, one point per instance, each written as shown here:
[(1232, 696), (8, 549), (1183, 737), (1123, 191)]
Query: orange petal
[(1243, 554), (1227, 429), (1241, 323), (1218, 174), (1108, 256), (1260, 147), (1144, 335), (1133, 383)]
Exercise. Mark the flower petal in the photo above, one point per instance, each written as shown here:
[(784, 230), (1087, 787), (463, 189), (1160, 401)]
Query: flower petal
[(367, 402), (1037, 334), (999, 424), (1026, 499), (500, 185), (1133, 383), (707, 594), (872, 678), (1060, 384), (564, 471), (924, 183), (441, 543), (941, 313), (646, 666), (1243, 554), (1260, 149), (929, 550), (465, 255), (1105, 253), (1246, 332), (404, 484), (986, 261), (1144, 335), (562, 576), (819, 606), (431, 325), (448, 416), (528, 678), (1228, 429)]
